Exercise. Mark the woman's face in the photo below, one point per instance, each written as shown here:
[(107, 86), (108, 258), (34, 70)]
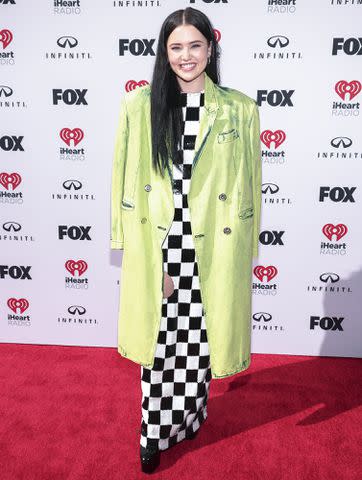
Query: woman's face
[(188, 53)]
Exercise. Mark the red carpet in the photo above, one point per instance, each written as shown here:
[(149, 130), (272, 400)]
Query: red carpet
[(74, 413)]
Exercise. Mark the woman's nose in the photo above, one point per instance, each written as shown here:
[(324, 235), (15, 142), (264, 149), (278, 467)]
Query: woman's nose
[(186, 54)]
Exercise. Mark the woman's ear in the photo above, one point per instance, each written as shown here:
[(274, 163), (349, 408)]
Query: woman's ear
[(209, 49)]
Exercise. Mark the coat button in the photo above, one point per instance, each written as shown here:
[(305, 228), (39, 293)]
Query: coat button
[(144, 220), (148, 187), (222, 196), (227, 230)]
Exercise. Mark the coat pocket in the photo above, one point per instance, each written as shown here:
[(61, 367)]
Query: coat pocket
[(229, 136), (245, 212), (127, 204)]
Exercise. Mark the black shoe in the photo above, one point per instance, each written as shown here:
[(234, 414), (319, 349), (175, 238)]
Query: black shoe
[(150, 459), (192, 435)]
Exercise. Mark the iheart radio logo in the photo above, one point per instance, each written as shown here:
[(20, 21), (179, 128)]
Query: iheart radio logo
[(352, 88), (8, 180), (6, 37), (339, 230), (267, 137), (18, 305), (269, 272), (67, 135), (133, 84), (217, 35), (73, 266)]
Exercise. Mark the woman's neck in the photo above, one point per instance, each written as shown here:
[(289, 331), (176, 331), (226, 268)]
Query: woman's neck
[(192, 93), (195, 86)]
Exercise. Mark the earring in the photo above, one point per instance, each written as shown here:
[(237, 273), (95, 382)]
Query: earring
[(209, 60)]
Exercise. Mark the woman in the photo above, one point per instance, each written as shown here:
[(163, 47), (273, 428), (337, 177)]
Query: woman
[(191, 119)]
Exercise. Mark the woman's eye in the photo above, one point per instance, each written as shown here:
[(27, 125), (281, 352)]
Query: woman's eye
[(178, 48)]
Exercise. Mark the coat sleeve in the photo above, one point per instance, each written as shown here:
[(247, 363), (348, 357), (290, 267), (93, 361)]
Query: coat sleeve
[(255, 161), (118, 171)]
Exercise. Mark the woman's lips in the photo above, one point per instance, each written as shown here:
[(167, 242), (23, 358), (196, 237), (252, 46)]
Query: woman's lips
[(187, 67)]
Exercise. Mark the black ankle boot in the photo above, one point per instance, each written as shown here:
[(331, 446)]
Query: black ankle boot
[(192, 435), (150, 459)]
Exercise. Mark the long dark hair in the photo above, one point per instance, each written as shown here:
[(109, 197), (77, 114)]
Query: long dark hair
[(166, 113)]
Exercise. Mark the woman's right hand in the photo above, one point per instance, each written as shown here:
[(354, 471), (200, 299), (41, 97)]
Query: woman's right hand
[(168, 285)]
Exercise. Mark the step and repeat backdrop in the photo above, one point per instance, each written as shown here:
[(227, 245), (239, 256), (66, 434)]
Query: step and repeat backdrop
[(64, 66)]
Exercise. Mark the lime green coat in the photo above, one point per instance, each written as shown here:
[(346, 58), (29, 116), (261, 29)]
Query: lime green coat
[(224, 201)]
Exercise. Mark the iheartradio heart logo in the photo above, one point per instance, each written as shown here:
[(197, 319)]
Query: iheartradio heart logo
[(18, 305), (8, 180), (217, 34), (133, 84), (6, 37), (73, 266), (339, 230), (352, 88), (269, 272), (67, 135), (267, 137)]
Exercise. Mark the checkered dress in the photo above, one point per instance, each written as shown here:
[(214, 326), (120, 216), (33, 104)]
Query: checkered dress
[(175, 391)]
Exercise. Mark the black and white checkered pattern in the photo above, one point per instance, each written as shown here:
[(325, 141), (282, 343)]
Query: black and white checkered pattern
[(175, 391)]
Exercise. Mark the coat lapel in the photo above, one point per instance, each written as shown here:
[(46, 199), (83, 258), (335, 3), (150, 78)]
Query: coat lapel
[(207, 120)]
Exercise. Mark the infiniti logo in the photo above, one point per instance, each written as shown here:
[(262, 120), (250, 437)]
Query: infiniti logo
[(278, 41), (329, 277), (337, 142), (76, 310), (72, 185), (67, 41), (5, 91), (76, 191), (269, 188), (11, 226), (280, 48), (262, 316)]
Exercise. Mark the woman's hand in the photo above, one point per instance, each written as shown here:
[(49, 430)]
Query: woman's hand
[(168, 285)]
